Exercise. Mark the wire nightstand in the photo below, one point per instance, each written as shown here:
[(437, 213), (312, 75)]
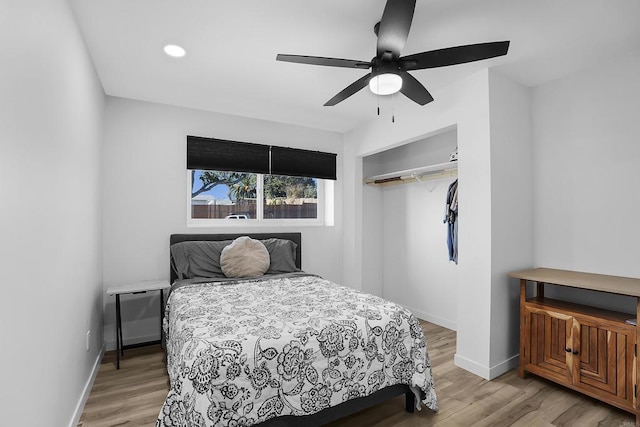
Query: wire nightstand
[(141, 287)]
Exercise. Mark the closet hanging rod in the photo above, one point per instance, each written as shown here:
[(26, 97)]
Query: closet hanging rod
[(441, 170)]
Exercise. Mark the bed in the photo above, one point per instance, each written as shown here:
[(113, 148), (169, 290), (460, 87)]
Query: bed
[(282, 349)]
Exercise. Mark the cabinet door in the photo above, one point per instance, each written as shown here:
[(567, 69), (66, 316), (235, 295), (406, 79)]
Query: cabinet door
[(548, 338), (606, 359)]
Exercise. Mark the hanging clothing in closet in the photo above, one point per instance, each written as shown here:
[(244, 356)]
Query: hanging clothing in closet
[(451, 219)]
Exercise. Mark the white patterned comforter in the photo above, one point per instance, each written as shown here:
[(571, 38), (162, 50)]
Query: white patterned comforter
[(241, 353)]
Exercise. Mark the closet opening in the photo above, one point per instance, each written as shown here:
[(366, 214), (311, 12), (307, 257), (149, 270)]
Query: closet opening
[(406, 256)]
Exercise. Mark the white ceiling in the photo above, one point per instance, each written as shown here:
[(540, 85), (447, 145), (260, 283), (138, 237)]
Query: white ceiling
[(231, 45)]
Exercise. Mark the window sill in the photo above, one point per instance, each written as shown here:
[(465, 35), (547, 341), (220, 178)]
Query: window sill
[(254, 223)]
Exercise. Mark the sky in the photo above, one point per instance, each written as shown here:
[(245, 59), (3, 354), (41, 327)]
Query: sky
[(219, 192)]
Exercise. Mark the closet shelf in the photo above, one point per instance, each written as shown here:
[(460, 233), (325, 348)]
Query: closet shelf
[(440, 170)]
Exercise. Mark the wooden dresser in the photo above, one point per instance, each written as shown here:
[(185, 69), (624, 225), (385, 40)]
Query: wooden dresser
[(587, 349)]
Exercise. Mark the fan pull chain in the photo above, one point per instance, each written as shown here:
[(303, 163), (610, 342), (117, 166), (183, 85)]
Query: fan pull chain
[(393, 109)]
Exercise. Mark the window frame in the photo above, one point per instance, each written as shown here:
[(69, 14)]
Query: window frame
[(260, 221)]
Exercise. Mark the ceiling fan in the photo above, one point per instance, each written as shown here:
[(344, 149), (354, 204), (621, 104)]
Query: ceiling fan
[(389, 70)]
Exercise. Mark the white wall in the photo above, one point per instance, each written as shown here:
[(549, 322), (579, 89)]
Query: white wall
[(427, 151), (474, 229), (373, 242), (587, 174), (51, 110), (547, 178), (145, 197), (511, 213), (465, 105), (489, 132), (417, 270)]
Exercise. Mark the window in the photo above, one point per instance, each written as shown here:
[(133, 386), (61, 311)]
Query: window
[(220, 196), (223, 195), (290, 197), (256, 183)]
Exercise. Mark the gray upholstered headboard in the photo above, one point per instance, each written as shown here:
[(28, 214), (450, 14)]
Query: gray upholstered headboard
[(294, 237)]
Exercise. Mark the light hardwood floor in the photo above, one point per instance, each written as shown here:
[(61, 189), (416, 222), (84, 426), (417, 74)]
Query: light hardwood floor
[(132, 396)]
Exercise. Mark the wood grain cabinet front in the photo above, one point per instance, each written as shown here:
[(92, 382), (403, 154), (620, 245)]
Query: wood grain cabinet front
[(586, 349), (548, 339)]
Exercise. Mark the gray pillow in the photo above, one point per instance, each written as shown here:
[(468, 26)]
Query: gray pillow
[(198, 258), (283, 255)]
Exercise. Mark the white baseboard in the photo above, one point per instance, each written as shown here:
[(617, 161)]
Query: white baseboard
[(87, 389), (445, 323), (471, 366), (488, 373), (504, 366)]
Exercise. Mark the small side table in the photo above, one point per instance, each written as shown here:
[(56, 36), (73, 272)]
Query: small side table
[(141, 287)]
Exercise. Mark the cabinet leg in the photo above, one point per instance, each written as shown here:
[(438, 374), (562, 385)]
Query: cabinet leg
[(522, 373), (524, 336), (636, 371), (118, 332)]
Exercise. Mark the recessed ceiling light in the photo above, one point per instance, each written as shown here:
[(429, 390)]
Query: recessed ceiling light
[(174, 50)]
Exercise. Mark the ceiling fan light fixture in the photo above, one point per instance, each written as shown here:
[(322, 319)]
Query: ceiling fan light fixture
[(389, 68), (385, 84), (174, 51)]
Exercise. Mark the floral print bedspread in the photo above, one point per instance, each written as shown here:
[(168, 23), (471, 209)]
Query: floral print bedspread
[(239, 354)]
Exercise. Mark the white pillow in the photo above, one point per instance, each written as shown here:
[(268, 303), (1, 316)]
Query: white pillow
[(245, 257)]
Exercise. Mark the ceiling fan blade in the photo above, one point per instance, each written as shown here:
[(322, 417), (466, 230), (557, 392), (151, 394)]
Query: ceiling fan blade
[(394, 27), (414, 90), (453, 55), (319, 60), (349, 90)]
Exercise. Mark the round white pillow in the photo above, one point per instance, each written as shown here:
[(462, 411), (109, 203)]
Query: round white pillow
[(245, 257)]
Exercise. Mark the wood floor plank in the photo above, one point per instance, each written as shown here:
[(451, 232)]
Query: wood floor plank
[(132, 396)]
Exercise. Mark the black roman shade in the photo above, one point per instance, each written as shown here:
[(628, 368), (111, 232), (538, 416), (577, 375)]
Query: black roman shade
[(220, 154), (296, 162)]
